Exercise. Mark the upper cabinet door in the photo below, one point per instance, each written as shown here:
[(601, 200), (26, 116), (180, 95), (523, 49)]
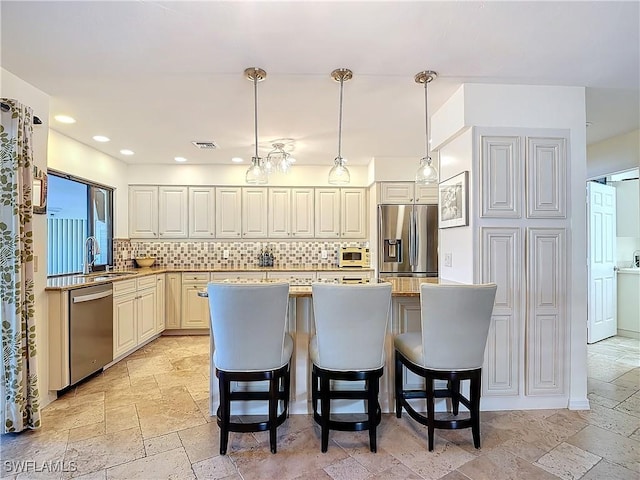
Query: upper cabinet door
[(353, 213), (501, 182), (279, 218), (327, 218), (173, 212), (546, 178), (302, 213), (426, 194), (228, 212), (397, 192), (143, 211), (254, 212), (202, 213)]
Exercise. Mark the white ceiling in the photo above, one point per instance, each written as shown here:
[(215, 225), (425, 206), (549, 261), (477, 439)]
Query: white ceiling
[(153, 76)]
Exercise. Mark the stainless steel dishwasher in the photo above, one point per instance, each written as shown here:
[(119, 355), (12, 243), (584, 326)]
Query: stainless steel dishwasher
[(90, 330)]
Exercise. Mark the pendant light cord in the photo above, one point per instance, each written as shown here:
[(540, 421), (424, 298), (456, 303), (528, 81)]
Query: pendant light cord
[(255, 108), (426, 118), (340, 121)]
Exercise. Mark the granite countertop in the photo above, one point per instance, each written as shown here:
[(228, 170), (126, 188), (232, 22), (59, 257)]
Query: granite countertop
[(401, 286), (69, 282)]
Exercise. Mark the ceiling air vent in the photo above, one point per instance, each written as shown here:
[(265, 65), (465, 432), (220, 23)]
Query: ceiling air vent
[(205, 145)]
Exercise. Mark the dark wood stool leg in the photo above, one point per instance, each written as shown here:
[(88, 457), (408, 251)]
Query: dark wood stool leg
[(224, 411), (454, 386), (474, 393), (430, 411), (287, 389), (274, 382), (373, 387), (398, 383), (314, 390), (325, 405)]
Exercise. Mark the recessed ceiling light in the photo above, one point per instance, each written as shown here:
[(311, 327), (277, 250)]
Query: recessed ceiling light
[(126, 151), (237, 160), (65, 119), (101, 138), (180, 159)]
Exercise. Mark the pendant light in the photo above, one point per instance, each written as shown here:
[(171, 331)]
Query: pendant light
[(426, 173), (279, 159), (256, 174), (339, 174)]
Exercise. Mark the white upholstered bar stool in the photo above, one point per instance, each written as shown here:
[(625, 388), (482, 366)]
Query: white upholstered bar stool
[(351, 323), (248, 323), (455, 324)]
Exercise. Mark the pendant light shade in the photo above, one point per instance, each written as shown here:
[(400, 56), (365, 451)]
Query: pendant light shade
[(339, 173), (426, 174), (279, 159), (256, 174)]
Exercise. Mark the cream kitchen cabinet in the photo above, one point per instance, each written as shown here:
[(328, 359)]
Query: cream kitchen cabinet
[(143, 211), (202, 214), (291, 213), (173, 301), (351, 276), (327, 213), (254, 212), (173, 212), (407, 193), (158, 212), (195, 309), (134, 313), (228, 212), (161, 303), (302, 213), (353, 213), (340, 213), (279, 216)]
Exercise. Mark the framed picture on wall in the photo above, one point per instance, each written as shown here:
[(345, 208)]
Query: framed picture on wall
[(453, 201), (39, 192)]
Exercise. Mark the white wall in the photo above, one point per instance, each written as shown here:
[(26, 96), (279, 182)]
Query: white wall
[(77, 159), (613, 155), (13, 87), (185, 174), (457, 156)]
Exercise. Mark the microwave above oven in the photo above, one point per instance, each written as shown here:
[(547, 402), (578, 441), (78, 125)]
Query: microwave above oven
[(350, 257)]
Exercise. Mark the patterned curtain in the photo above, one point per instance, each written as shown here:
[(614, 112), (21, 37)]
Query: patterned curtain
[(21, 399)]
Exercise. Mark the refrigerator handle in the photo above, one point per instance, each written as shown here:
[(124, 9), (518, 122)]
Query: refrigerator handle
[(412, 239)]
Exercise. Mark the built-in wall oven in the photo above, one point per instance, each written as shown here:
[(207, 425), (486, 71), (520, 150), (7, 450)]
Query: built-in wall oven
[(90, 330)]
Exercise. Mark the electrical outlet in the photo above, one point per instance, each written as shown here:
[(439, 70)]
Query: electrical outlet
[(225, 254), (324, 254), (133, 255), (447, 260)]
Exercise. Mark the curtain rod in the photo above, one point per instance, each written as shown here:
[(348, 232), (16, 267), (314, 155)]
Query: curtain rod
[(5, 108)]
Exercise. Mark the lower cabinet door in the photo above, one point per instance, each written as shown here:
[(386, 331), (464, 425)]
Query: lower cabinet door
[(195, 309), (124, 323), (146, 310)]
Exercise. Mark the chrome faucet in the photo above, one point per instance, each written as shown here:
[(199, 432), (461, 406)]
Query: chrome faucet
[(90, 246)]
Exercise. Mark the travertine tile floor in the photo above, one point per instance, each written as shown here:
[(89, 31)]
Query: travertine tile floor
[(147, 418)]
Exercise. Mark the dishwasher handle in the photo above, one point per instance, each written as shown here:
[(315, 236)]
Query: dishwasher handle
[(92, 296)]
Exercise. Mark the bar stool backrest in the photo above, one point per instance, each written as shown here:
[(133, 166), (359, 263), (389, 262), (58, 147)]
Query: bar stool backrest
[(455, 324), (351, 323), (248, 323)]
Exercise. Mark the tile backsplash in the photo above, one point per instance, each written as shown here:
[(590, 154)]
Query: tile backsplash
[(193, 254)]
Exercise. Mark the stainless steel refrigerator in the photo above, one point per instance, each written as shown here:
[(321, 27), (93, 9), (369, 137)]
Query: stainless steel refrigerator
[(408, 240)]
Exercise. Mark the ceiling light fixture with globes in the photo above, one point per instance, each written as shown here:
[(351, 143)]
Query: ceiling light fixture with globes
[(339, 173), (426, 174), (256, 174)]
